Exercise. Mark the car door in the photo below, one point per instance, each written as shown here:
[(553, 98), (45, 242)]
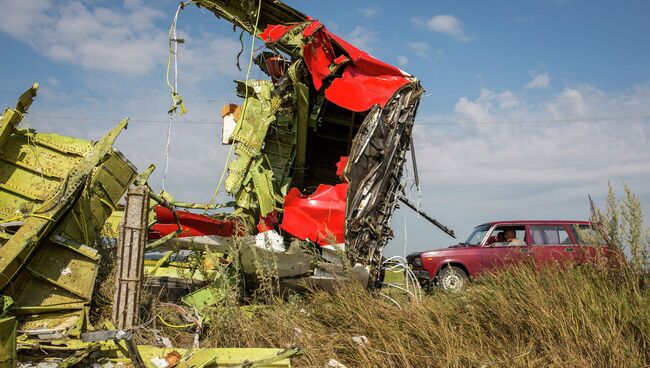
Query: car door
[(588, 249), (498, 256), (551, 244)]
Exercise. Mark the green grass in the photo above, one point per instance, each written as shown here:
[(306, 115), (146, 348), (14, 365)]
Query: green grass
[(394, 277)]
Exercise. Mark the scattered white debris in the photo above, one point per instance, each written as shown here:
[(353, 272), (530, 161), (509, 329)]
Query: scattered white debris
[(66, 271), (165, 342), (161, 340), (159, 362), (297, 332), (47, 365), (270, 240), (333, 363), (361, 339), (105, 365), (121, 334)]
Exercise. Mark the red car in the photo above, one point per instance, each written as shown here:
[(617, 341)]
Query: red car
[(499, 244)]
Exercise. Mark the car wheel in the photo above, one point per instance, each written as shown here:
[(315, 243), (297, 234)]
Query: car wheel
[(452, 279)]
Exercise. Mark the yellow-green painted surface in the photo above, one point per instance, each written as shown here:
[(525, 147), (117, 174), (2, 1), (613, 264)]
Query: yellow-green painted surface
[(56, 192), (7, 342), (216, 357)]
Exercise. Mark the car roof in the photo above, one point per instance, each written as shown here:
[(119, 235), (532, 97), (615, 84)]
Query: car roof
[(536, 222)]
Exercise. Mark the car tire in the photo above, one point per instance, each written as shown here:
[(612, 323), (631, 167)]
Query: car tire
[(453, 279)]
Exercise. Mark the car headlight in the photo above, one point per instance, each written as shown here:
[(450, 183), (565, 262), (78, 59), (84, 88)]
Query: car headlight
[(417, 262)]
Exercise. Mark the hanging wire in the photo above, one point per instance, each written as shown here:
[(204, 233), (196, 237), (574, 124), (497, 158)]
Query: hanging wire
[(411, 284), (176, 100), (408, 189)]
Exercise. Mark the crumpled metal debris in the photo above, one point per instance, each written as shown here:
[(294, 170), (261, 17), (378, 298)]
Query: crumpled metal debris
[(56, 192), (325, 99)]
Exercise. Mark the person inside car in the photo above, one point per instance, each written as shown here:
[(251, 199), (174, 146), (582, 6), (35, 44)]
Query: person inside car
[(501, 237), (497, 240), (511, 238)]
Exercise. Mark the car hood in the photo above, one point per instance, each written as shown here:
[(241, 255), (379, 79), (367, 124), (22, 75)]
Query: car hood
[(439, 251)]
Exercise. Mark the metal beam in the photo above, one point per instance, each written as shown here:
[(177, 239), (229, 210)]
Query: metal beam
[(435, 222), (130, 258)]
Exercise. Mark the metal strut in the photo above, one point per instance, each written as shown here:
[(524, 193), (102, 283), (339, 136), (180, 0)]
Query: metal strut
[(440, 226)]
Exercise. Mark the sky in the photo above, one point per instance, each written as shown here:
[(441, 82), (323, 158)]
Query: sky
[(530, 106)]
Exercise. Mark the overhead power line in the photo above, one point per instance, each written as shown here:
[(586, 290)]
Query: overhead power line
[(629, 119), (625, 119), (110, 97), (494, 96)]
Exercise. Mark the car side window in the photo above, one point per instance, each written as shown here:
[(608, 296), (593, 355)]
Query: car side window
[(585, 235), (508, 235), (549, 235)]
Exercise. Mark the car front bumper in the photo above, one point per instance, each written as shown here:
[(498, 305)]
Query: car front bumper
[(422, 276)]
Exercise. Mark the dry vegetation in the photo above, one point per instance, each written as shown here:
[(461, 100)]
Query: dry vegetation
[(579, 318), (585, 316)]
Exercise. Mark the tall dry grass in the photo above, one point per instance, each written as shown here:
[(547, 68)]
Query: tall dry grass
[(523, 317)]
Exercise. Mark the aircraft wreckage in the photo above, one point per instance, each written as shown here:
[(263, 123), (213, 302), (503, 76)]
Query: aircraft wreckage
[(319, 151)]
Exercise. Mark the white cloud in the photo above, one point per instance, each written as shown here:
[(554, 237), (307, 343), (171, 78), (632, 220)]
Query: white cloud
[(124, 41), (539, 81), (362, 38), (208, 56), (488, 104), (444, 23), (420, 48), (369, 12), (402, 60), (471, 111), (17, 18), (521, 150), (96, 38)]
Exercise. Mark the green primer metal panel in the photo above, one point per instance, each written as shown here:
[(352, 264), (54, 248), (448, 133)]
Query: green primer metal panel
[(40, 221), (12, 117), (58, 191), (61, 274), (204, 298), (7, 342), (216, 357), (31, 174), (58, 277), (108, 183), (250, 175)]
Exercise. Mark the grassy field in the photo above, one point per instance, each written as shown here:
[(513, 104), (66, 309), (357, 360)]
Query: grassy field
[(582, 317), (394, 277)]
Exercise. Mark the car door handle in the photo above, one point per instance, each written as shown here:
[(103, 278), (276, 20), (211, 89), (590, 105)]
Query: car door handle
[(568, 249)]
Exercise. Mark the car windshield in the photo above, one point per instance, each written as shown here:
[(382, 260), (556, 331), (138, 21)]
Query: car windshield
[(477, 235)]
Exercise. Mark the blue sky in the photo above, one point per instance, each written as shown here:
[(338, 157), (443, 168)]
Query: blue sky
[(530, 105)]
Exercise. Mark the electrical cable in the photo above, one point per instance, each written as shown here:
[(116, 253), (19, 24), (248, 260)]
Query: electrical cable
[(641, 119), (17, 91), (176, 100)]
